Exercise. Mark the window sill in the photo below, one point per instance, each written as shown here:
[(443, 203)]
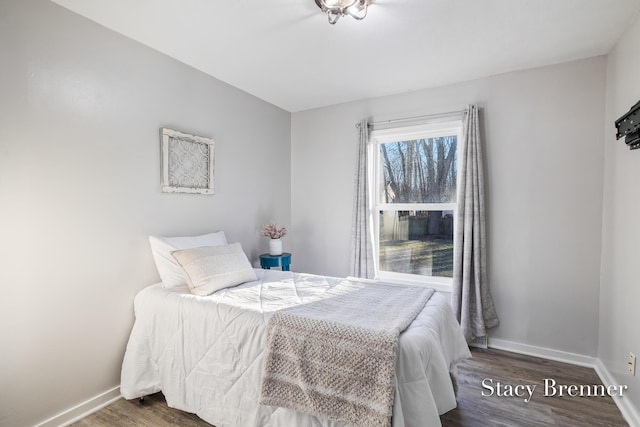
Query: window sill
[(440, 284)]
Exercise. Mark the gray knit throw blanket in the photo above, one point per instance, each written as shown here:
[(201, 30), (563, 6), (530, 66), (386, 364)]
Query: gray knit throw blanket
[(335, 358)]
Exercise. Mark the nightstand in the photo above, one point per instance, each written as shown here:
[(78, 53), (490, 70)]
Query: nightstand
[(267, 261)]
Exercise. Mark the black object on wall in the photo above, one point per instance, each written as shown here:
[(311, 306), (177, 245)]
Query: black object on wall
[(629, 127)]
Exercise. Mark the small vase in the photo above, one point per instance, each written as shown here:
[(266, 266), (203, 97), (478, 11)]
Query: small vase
[(275, 247)]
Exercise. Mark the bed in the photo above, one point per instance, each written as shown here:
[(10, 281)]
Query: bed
[(206, 353)]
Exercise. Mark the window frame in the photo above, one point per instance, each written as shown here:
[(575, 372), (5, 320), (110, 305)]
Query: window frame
[(408, 133)]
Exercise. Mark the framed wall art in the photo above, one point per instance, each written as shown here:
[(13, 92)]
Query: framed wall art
[(187, 163)]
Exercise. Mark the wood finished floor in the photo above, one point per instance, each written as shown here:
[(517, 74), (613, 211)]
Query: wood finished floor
[(473, 409)]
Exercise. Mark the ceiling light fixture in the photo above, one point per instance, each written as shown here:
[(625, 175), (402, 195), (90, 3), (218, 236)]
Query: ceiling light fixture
[(337, 8)]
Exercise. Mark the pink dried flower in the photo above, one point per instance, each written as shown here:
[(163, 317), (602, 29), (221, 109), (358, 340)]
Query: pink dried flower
[(272, 231)]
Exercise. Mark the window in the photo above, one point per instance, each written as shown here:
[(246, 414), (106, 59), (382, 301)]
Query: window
[(415, 185)]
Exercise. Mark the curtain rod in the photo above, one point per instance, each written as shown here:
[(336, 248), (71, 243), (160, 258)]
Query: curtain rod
[(406, 119)]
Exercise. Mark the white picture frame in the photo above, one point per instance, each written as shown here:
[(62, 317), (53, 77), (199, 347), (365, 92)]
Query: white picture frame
[(187, 163)]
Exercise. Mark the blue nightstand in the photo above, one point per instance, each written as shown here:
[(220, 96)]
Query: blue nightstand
[(267, 261)]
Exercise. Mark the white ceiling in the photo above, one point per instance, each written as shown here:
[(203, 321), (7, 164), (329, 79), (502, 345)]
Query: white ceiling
[(285, 52)]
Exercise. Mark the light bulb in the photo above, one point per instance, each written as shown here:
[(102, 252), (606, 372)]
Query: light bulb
[(358, 11)]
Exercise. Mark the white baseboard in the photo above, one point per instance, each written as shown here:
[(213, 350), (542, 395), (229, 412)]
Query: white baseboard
[(627, 409), (545, 353), (80, 411), (630, 413)]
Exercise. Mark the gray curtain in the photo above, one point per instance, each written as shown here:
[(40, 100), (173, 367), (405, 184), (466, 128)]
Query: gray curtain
[(361, 228), (471, 298)]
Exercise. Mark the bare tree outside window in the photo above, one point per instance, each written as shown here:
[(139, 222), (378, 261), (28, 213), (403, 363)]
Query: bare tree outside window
[(420, 171)]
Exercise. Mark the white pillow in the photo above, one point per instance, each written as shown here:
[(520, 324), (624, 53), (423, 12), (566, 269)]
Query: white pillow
[(170, 271), (211, 268)]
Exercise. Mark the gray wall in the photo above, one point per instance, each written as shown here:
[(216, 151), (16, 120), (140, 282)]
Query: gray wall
[(80, 113), (620, 285), (543, 144)]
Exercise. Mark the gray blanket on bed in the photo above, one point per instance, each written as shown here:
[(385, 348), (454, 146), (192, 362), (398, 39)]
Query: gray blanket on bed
[(335, 358)]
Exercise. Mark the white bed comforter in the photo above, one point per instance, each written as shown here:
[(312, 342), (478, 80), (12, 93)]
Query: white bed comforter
[(206, 353)]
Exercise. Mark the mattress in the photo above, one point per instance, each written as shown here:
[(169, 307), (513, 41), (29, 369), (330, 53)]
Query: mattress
[(205, 353)]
